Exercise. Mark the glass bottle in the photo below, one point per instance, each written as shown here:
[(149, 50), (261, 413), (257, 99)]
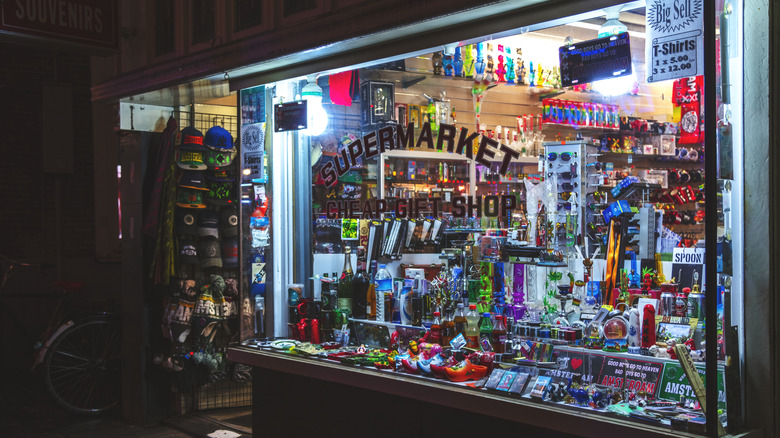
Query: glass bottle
[(371, 294), (485, 332), (461, 323), (345, 283), (499, 334), (472, 327), (359, 288), (436, 328), (448, 326)]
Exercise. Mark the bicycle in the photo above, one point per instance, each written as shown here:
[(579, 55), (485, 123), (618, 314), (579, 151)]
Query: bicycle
[(78, 353)]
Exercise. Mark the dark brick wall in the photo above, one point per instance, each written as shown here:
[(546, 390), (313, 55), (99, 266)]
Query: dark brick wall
[(27, 195)]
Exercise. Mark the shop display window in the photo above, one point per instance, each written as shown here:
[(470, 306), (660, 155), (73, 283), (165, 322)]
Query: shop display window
[(473, 220)]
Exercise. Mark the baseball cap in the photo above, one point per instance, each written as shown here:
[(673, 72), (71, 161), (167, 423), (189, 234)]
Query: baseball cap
[(192, 179), (188, 252), (190, 198), (230, 252), (220, 192), (191, 139), (218, 138), (228, 221), (186, 222), (208, 223), (219, 158), (190, 160), (210, 254)]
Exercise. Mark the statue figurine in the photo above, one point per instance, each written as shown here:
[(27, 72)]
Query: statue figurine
[(531, 76), (447, 64), (437, 60), (479, 63), (458, 64), (510, 70), (500, 69), (520, 67), (468, 61), (490, 69), (521, 72)]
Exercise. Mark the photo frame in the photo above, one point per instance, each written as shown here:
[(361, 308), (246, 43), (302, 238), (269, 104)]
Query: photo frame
[(415, 116), (401, 115)]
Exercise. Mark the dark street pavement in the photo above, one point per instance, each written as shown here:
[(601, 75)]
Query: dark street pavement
[(27, 411)]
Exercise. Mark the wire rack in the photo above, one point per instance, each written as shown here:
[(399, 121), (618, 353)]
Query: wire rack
[(225, 394), (204, 121)]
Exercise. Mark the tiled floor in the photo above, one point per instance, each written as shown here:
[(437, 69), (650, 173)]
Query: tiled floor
[(26, 411)]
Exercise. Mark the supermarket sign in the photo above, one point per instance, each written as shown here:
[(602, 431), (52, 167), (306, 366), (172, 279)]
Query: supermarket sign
[(92, 23), (395, 136)]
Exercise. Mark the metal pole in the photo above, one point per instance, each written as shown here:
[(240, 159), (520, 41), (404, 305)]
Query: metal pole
[(711, 230)]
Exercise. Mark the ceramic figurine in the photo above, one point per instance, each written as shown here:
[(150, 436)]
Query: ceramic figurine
[(479, 63), (447, 61), (437, 60), (539, 75), (490, 69), (520, 73), (458, 63), (510, 69), (500, 69)]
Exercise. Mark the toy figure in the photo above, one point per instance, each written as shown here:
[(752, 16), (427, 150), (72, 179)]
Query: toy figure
[(437, 60), (500, 69), (458, 64)]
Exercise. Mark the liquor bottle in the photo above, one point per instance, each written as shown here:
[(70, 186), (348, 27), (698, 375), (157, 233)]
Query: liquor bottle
[(472, 327), (345, 283), (436, 329), (485, 332), (359, 288), (371, 294), (448, 326), (461, 323), (325, 295), (499, 335)]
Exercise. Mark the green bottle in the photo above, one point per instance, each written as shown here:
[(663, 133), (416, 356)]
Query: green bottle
[(345, 283)]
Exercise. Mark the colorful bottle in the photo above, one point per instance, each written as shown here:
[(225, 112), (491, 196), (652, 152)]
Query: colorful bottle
[(436, 329), (472, 327), (485, 332), (499, 334), (384, 290)]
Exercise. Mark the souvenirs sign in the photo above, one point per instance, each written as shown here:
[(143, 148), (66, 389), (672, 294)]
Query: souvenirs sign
[(674, 47)]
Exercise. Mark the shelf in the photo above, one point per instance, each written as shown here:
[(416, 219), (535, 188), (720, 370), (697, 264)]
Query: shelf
[(392, 325), (424, 155)]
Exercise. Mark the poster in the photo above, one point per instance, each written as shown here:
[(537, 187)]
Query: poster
[(674, 47), (674, 384), (252, 151)]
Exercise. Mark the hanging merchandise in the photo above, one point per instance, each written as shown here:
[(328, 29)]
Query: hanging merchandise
[(686, 98)]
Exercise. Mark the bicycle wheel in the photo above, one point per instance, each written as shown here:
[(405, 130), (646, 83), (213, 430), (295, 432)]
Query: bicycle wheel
[(82, 367)]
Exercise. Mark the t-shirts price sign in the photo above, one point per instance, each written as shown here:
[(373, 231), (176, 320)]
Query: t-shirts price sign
[(674, 47)]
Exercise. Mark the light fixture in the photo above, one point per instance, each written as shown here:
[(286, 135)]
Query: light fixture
[(317, 118), (612, 26), (622, 84)]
